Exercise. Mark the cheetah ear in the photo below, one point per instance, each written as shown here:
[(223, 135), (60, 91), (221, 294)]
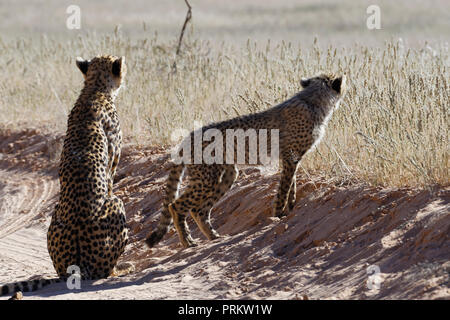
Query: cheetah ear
[(117, 66), (305, 82), (82, 65), (338, 84)]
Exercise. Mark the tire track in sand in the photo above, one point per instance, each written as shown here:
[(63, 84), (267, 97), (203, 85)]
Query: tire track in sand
[(23, 197)]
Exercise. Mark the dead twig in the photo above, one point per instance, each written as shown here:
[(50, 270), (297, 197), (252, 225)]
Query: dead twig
[(188, 18)]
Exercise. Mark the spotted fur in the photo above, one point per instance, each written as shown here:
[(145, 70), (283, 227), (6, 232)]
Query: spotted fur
[(301, 122), (88, 227)]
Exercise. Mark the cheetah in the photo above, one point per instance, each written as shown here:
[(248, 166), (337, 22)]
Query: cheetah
[(88, 227), (300, 121)]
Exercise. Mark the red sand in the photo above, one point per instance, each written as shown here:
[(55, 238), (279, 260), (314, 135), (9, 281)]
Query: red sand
[(322, 250)]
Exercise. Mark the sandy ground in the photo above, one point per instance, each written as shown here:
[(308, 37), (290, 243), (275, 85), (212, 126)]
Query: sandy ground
[(325, 249)]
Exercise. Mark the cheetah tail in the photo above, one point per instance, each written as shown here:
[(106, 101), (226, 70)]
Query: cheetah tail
[(173, 182), (27, 286)]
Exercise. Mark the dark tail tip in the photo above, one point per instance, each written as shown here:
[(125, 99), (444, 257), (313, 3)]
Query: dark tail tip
[(153, 239), (4, 290)]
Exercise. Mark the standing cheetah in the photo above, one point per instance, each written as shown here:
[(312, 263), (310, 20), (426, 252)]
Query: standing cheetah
[(88, 226), (300, 122)]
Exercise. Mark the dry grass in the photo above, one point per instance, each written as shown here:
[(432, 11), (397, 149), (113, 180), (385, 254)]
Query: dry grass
[(392, 128)]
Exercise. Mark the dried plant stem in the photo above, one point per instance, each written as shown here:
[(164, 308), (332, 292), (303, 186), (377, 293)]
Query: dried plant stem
[(186, 20)]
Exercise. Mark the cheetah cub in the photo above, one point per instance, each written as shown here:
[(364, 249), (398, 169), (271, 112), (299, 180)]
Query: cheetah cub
[(300, 122)]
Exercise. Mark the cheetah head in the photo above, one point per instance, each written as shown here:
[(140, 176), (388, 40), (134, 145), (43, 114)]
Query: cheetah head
[(106, 72), (335, 84)]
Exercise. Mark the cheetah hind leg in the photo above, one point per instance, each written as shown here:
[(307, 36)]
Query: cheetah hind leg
[(292, 194), (179, 221), (203, 216), (114, 232), (203, 221)]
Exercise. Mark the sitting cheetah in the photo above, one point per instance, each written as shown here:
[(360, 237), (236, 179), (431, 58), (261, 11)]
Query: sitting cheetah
[(300, 122), (88, 226)]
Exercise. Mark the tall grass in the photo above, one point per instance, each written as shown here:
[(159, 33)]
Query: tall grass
[(391, 129)]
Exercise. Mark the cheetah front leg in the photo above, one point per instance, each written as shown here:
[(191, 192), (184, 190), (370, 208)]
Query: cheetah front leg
[(286, 191)]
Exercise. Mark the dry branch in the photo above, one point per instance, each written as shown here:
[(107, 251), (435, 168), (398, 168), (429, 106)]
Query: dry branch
[(186, 20)]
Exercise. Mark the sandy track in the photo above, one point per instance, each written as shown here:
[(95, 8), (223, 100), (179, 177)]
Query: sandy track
[(322, 250), (24, 196)]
